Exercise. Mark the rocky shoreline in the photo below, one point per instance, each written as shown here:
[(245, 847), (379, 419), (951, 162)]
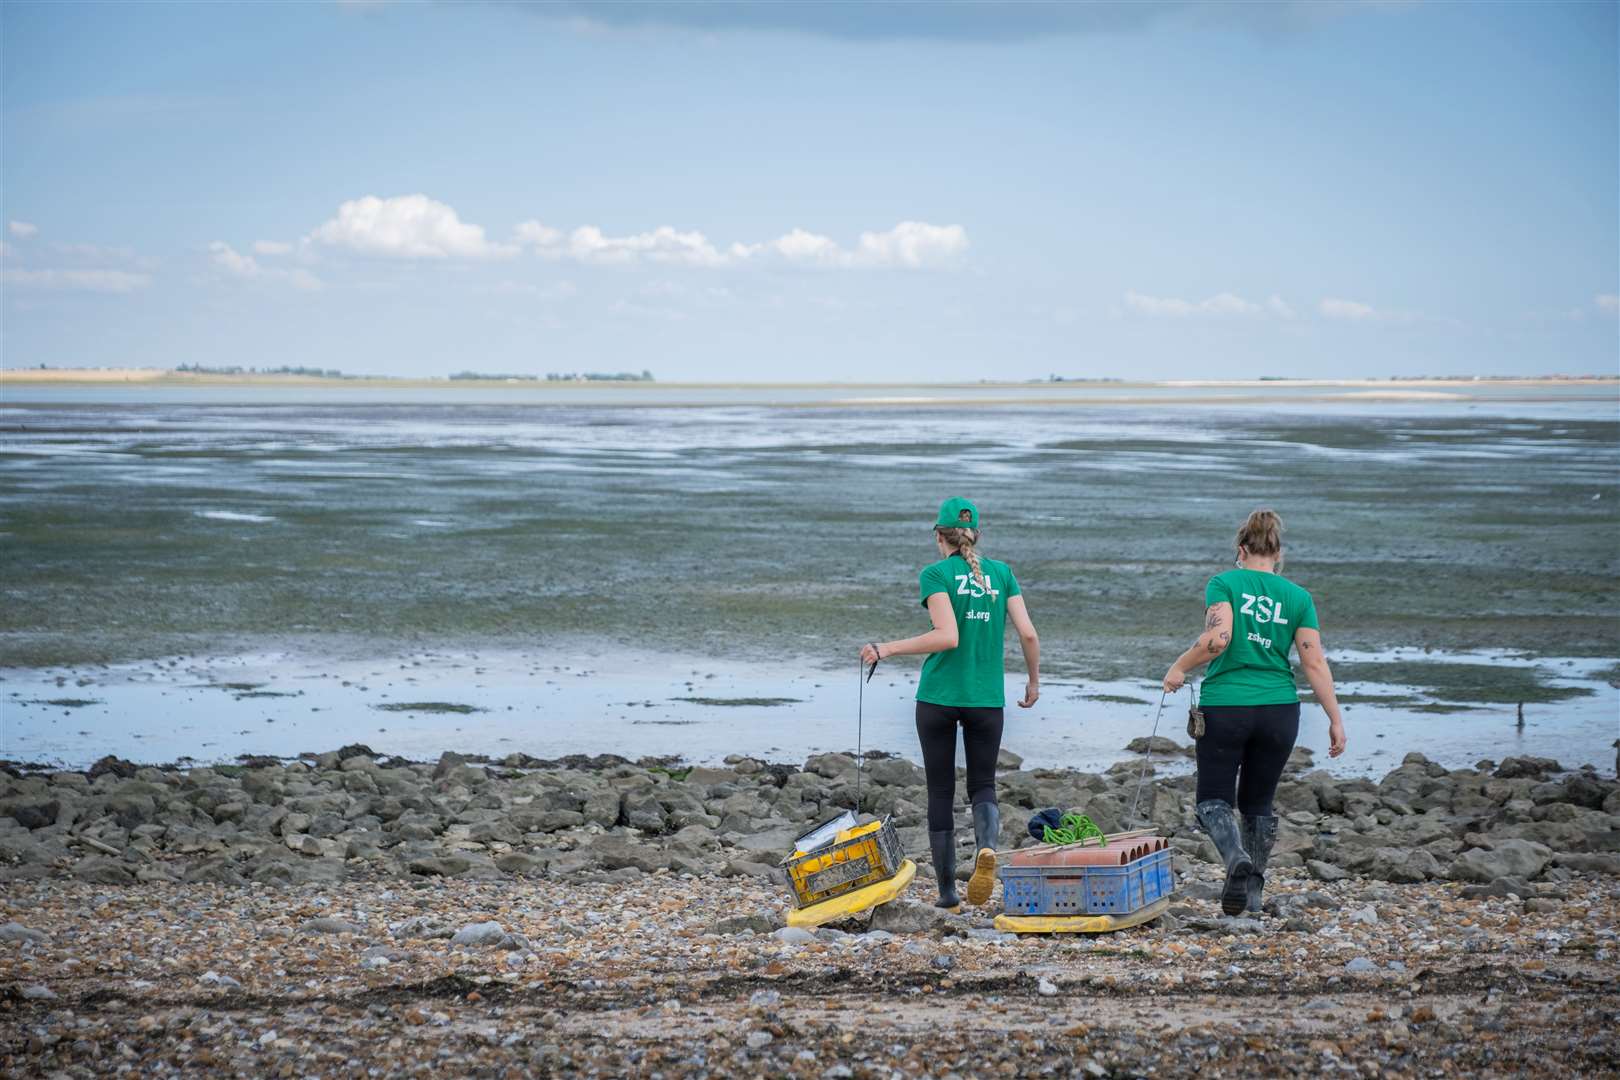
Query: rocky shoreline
[(345, 912), (349, 814)]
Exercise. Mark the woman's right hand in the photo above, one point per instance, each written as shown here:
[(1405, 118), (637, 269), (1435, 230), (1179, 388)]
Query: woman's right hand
[(870, 654), (1174, 679), (1336, 738)]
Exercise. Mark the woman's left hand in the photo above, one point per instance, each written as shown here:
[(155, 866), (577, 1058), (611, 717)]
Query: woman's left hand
[(1032, 694), (870, 654)]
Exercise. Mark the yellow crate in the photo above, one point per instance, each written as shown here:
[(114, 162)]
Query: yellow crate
[(858, 857)]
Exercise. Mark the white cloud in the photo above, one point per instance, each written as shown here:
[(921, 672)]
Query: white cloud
[(234, 264), (22, 230), (537, 235), (1175, 308), (912, 244), (407, 227), (1279, 307), (271, 247), (1608, 302), (1353, 310), (664, 244), (909, 245), (103, 281)]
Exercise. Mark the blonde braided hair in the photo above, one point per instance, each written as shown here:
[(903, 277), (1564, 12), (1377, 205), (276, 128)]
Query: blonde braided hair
[(965, 541)]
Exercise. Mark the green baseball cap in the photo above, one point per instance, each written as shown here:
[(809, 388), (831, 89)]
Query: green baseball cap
[(957, 514)]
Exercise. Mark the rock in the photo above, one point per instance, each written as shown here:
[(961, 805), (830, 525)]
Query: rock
[(895, 772), (484, 935), (1543, 905), (520, 864), (794, 935), (440, 865), (1367, 915), (758, 1040), (1500, 888), (38, 992), (1589, 862), (1506, 858), (1588, 791), (765, 999), (1402, 866), (1360, 965), (330, 926), (1532, 767), (421, 926), (1157, 744), (831, 766), (640, 809), (33, 813), (776, 842), (910, 917), (1007, 761), (736, 924), (1323, 871), (1226, 924), (281, 870), (103, 871), (12, 931), (113, 766), (214, 978), (1046, 988), (1294, 795), (448, 761)]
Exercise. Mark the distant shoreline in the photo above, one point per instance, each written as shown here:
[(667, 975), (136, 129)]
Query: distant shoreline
[(167, 378)]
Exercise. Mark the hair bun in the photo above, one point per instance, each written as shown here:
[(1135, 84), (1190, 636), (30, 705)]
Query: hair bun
[(1261, 534)]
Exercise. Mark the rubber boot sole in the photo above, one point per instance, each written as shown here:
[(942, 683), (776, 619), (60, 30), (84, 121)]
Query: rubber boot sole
[(1235, 895), (983, 881)]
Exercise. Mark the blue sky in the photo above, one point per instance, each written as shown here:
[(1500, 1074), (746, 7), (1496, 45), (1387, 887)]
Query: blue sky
[(829, 191)]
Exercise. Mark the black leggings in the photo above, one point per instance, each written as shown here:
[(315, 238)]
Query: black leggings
[(1243, 752), (981, 738)]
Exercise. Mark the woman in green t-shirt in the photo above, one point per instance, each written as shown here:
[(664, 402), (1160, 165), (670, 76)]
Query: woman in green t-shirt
[(1253, 617), (963, 684)]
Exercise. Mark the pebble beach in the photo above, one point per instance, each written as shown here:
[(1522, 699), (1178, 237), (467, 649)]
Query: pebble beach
[(349, 914)]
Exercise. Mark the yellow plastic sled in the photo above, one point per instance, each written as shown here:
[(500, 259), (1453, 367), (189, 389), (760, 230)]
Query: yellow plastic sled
[(856, 900), (1081, 924)]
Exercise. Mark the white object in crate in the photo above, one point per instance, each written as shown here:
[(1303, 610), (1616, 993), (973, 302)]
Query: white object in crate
[(825, 833)]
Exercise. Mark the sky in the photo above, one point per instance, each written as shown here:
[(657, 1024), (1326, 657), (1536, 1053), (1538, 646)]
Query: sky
[(813, 192)]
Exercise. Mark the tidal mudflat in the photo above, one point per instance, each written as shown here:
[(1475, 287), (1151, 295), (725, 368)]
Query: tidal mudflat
[(485, 552)]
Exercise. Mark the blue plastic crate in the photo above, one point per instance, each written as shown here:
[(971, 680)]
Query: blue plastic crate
[(1086, 890)]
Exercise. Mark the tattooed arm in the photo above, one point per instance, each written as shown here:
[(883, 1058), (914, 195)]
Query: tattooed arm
[(1313, 661), (1211, 643)]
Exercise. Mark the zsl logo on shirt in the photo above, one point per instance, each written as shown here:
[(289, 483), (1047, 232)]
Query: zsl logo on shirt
[(1263, 608), (966, 586)]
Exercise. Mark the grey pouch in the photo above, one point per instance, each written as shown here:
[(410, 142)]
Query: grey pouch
[(1195, 721)]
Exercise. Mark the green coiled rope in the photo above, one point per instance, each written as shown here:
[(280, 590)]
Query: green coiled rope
[(1073, 828)]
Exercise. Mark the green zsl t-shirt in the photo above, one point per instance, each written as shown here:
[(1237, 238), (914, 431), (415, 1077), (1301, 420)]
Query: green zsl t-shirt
[(970, 676), (1266, 611)]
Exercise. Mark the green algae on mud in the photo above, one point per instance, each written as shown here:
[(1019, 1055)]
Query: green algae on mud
[(1489, 684), (801, 532), (427, 707)]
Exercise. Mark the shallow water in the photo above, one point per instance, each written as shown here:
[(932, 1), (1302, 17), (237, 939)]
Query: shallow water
[(761, 545), (656, 704)]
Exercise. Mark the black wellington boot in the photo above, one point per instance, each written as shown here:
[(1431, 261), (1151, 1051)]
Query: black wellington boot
[(942, 844), (1259, 834), (986, 831), (1218, 820)]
